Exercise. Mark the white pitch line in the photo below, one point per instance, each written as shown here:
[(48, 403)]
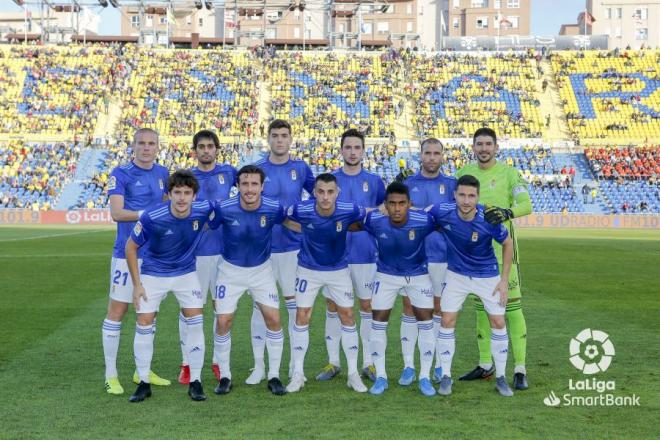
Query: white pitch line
[(64, 234), (97, 254)]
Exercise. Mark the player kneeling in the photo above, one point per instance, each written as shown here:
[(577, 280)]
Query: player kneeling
[(472, 268), (170, 232)]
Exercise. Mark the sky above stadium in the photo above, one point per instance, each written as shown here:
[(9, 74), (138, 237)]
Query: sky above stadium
[(547, 15)]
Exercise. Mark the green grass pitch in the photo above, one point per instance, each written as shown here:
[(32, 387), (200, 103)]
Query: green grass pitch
[(54, 296)]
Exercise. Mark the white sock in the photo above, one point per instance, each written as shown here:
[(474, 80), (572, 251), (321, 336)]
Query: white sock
[(214, 359), (365, 331), (223, 349), (332, 337), (196, 346), (110, 332), (183, 337), (499, 348), (426, 345), (446, 345), (408, 340), (258, 332), (350, 342), (299, 345), (291, 311), (274, 345), (437, 323), (378, 343), (143, 350)]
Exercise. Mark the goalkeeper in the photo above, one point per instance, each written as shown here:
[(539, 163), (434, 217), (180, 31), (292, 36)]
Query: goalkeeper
[(504, 193)]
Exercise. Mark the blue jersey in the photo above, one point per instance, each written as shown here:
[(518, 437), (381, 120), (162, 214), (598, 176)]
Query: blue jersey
[(142, 189), (469, 243), (214, 185), (424, 192), (401, 250), (285, 183), (170, 241), (367, 190), (324, 238), (247, 235)]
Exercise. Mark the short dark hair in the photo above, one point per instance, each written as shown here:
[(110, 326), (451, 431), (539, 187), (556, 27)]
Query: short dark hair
[(203, 134), (397, 188), (351, 132), (468, 180), (484, 131), (430, 140), (251, 169), (278, 123), (182, 178), (326, 177)]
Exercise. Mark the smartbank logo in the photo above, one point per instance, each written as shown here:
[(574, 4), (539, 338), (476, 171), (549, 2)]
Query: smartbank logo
[(591, 352)]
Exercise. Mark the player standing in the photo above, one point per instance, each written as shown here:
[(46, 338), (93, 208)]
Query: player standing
[(323, 263), (356, 185), (132, 188), (285, 179), (427, 187), (473, 268), (247, 223), (169, 234), (215, 184), (504, 192)]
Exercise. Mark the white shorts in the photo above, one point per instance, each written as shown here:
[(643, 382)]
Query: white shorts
[(336, 283), (438, 273), (185, 288), (121, 285), (234, 280), (417, 288), (363, 278), (207, 272), (458, 287), (284, 266)]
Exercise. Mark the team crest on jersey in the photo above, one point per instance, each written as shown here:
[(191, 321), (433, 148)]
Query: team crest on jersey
[(442, 188), (112, 183), (195, 225), (340, 226), (365, 186), (475, 236), (294, 176), (262, 222), (160, 183), (137, 228), (493, 184), (411, 234), (221, 179), (289, 211)]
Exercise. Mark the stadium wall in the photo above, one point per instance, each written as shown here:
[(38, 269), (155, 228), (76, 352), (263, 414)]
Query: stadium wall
[(564, 221)]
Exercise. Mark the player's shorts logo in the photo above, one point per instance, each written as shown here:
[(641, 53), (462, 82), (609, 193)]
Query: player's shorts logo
[(73, 217), (195, 225), (294, 176), (340, 226), (591, 351), (442, 188), (365, 186), (411, 235), (475, 236), (262, 222), (221, 179)]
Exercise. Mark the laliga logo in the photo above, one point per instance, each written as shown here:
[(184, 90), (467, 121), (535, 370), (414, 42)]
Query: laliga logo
[(72, 217), (591, 351)]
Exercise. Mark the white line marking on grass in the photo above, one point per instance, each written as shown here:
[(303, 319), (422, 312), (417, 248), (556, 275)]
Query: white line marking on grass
[(97, 254), (63, 234)]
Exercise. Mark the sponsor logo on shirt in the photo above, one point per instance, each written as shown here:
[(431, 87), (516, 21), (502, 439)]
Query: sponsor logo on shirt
[(235, 223), (169, 232), (383, 235), (138, 183)]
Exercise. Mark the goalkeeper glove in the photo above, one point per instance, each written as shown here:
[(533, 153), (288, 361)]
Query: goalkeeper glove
[(403, 175), (495, 215)]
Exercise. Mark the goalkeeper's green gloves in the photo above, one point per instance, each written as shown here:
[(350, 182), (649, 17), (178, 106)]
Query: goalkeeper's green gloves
[(403, 175), (495, 215)]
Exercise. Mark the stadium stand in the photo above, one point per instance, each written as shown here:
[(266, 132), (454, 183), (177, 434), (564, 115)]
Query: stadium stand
[(456, 94), (610, 94), (323, 95), (33, 173)]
